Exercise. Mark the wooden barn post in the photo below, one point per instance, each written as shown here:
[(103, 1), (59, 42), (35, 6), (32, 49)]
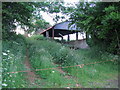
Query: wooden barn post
[(52, 33), (76, 35), (68, 37), (47, 34), (62, 38)]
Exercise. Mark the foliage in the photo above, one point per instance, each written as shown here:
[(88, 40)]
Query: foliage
[(46, 54), (91, 75), (59, 9), (16, 12), (97, 19), (40, 58), (40, 24), (55, 8), (101, 21), (22, 14), (13, 55)]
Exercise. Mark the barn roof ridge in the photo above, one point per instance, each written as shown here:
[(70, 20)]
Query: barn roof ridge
[(64, 28), (46, 30), (53, 26)]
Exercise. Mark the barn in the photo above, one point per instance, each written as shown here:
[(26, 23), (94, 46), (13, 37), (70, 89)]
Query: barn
[(65, 28)]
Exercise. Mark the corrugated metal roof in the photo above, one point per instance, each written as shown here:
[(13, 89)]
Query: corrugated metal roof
[(63, 28), (66, 26)]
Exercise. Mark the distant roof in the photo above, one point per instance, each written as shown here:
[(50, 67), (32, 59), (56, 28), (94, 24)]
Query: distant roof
[(66, 26), (63, 28)]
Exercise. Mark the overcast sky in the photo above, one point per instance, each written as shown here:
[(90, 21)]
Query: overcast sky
[(49, 17)]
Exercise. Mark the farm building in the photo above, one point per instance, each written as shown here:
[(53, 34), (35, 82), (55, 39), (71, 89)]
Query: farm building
[(65, 28)]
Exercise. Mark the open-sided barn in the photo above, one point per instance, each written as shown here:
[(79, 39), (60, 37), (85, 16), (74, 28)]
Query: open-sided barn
[(61, 29)]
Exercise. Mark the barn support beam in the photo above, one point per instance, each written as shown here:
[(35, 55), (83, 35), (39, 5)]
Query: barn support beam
[(52, 33), (76, 35), (47, 34), (68, 37), (62, 38)]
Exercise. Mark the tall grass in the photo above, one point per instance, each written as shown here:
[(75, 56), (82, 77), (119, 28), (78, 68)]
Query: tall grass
[(0, 64), (43, 53), (60, 54), (13, 56), (99, 73), (40, 58)]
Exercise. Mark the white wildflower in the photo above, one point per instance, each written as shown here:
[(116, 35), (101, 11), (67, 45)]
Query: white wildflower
[(10, 57), (4, 84), (8, 50), (68, 87), (53, 71), (4, 54)]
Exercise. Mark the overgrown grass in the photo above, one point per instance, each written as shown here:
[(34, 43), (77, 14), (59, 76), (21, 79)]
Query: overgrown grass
[(48, 54), (41, 59), (13, 56), (0, 64), (89, 75), (43, 53)]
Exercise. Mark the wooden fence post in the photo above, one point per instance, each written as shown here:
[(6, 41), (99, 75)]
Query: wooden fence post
[(68, 37)]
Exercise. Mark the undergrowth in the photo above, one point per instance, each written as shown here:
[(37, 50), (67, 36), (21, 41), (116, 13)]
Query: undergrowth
[(13, 55), (45, 53), (40, 58), (48, 55)]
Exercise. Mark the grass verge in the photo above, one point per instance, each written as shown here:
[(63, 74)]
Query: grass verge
[(13, 55)]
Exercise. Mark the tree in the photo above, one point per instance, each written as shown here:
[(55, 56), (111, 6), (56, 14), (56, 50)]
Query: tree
[(100, 20), (59, 9), (20, 13), (16, 12)]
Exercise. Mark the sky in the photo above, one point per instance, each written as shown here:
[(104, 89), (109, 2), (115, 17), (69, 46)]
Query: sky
[(49, 18)]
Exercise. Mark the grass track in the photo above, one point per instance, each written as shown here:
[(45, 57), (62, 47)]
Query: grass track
[(45, 53)]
